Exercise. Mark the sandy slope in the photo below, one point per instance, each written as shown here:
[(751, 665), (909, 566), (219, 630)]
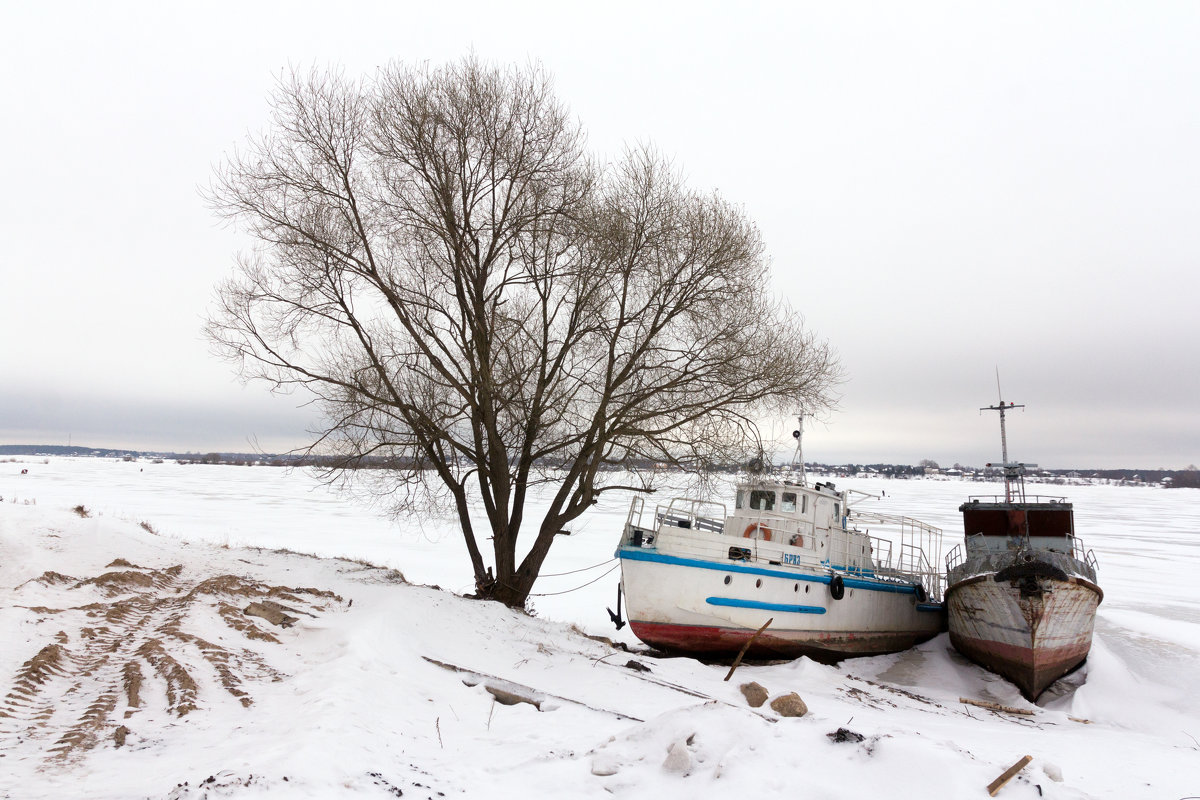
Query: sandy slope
[(129, 669)]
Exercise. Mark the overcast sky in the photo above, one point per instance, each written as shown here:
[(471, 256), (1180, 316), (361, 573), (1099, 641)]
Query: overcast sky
[(945, 189)]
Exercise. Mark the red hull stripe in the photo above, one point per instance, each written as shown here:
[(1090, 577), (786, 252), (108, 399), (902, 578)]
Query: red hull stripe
[(1032, 670), (825, 646)]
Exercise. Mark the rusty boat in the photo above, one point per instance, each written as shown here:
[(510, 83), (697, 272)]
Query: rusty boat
[(1021, 590)]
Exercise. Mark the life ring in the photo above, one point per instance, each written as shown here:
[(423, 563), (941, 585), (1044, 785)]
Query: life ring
[(796, 541), (763, 531), (837, 589), (922, 595)]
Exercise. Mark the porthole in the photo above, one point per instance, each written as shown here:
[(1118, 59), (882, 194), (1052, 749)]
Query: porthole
[(758, 584), (728, 578), (852, 593), (796, 588), (806, 588)]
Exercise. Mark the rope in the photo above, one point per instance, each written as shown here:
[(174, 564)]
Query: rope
[(577, 588), (572, 572)]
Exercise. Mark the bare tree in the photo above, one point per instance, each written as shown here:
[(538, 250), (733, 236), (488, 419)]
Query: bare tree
[(477, 302)]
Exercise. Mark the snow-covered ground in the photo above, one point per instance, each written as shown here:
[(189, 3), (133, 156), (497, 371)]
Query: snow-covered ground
[(381, 686)]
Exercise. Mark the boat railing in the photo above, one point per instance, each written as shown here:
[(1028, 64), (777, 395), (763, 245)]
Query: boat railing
[(1085, 556), (920, 548), (636, 505), (981, 554), (1031, 498), (855, 555), (689, 521), (679, 513), (974, 544), (635, 533), (913, 561), (881, 553), (956, 556)]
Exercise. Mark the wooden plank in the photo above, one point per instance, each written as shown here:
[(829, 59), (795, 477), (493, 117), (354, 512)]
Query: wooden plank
[(525, 693), (1007, 776), (995, 706)]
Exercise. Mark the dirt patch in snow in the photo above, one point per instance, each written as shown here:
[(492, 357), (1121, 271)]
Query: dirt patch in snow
[(139, 649)]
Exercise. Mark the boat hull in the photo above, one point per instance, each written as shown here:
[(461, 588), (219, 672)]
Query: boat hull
[(1030, 635), (713, 608)]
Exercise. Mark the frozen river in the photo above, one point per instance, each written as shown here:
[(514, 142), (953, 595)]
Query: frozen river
[(1147, 540)]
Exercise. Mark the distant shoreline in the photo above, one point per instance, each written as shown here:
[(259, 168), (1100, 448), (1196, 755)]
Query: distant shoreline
[(1184, 478)]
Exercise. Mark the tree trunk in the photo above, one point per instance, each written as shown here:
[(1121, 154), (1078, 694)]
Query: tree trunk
[(511, 589)]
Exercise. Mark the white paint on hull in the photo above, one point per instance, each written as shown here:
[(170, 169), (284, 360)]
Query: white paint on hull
[(880, 619)]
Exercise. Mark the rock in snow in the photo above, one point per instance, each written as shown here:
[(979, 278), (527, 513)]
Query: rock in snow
[(789, 705), (754, 693)]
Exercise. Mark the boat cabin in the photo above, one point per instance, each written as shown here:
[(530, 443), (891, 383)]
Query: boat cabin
[(1042, 523), (785, 512)]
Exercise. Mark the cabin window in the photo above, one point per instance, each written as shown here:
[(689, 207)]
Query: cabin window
[(741, 500), (762, 500), (788, 502), (837, 511), (803, 504)]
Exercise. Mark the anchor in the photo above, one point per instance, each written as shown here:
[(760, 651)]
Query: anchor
[(616, 618)]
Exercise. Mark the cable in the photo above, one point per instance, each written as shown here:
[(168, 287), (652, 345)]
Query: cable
[(572, 572), (577, 588)]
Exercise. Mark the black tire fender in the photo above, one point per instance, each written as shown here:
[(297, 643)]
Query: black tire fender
[(922, 595), (837, 588)]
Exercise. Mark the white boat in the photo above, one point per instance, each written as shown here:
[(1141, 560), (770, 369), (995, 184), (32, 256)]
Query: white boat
[(832, 581)]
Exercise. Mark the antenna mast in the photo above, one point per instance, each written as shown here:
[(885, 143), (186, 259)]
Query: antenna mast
[(1012, 472), (798, 456)]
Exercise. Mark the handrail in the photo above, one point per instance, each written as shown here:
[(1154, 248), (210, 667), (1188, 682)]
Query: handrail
[(637, 502), (956, 556), (685, 513), (1032, 498), (919, 550)]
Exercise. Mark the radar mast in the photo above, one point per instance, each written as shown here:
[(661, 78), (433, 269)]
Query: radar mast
[(1014, 472)]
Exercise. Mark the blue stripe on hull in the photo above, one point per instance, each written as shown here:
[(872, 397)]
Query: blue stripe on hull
[(735, 603), (641, 554)]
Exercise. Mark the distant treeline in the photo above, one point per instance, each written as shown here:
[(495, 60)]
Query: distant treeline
[(1189, 478), (269, 459), (1184, 478)]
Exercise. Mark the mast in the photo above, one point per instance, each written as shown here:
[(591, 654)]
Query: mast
[(1012, 472), (798, 456)]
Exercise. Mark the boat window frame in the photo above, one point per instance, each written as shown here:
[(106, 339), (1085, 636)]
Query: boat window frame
[(786, 506), (760, 495)]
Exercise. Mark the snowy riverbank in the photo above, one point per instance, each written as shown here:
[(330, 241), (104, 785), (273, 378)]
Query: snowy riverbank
[(358, 698)]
